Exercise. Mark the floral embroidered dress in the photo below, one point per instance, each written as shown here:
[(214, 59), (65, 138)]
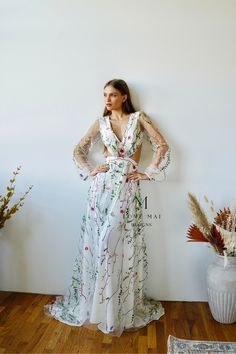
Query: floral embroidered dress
[(107, 288)]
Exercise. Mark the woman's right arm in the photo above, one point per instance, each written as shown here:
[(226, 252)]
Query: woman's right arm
[(81, 150)]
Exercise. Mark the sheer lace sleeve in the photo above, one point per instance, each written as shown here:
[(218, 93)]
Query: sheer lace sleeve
[(81, 150), (161, 151)]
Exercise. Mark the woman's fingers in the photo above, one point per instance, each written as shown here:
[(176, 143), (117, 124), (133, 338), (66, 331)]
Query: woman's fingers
[(101, 168), (132, 176), (136, 176)]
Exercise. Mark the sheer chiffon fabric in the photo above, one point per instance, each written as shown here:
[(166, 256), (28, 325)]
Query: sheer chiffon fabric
[(101, 130), (108, 282), (110, 270)]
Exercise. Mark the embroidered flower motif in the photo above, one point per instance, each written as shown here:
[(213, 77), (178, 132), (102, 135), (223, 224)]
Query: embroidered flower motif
[(52, 302), (122, 151), (86, 248), (122, 211), (134, 167)]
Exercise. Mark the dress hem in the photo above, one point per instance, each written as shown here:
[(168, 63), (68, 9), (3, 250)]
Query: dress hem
[(97, 325)]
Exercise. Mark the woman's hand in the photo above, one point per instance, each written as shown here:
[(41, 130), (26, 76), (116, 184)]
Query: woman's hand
[(100, 168), (136, 176)]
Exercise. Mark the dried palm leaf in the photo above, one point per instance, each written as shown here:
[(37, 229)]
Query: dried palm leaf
[(196, 235), (217, 240), (226, 219)]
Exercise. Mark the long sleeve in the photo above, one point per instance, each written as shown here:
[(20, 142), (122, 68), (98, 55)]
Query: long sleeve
[(81, 150), (161, 151)]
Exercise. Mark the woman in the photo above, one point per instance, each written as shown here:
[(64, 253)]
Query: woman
[(107, 289)]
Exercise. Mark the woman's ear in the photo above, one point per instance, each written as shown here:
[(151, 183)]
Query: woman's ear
[(124, 98)]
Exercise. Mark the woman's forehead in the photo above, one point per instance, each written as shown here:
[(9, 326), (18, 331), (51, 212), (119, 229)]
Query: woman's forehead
[(110, 89)]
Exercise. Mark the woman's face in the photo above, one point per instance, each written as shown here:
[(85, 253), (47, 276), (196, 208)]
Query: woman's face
[(113, 98)]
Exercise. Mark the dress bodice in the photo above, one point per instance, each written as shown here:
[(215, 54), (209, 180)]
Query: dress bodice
[(131, 140), (139, 126)]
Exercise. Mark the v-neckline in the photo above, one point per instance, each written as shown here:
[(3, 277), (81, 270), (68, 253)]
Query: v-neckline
[(126, 129)]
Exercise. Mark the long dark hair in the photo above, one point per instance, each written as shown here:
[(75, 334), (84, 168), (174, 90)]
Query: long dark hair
[(121, 85)]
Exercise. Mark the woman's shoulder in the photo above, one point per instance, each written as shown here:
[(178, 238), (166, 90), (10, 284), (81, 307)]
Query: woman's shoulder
[(143, 117), (101, 120), (138, 113)]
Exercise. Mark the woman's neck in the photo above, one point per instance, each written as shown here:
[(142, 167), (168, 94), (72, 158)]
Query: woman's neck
[(117, 114)]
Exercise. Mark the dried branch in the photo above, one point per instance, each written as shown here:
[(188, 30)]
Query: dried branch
[(6, 212)]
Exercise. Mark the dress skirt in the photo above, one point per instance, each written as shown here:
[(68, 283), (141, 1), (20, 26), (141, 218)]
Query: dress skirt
[(108, 282)]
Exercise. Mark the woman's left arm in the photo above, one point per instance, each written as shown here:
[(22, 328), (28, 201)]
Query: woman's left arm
[(161, 150)]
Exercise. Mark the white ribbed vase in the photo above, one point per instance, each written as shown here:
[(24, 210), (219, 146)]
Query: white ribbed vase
[(221, 288)]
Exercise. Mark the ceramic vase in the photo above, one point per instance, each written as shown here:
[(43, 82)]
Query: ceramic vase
[(221, 288)]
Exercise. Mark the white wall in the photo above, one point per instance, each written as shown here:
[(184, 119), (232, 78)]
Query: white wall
[(178, 58)]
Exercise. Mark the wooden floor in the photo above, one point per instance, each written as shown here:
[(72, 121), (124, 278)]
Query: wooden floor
[(24, 328)]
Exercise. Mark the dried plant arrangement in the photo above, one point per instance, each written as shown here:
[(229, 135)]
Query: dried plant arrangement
[(6, 211), (219, 233)]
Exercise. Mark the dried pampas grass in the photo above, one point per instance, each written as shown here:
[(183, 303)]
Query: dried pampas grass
[(199, 215)]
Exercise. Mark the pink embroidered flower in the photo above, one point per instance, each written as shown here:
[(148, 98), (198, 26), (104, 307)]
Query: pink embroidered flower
[(122, 211), (86, 248), (122, 151)]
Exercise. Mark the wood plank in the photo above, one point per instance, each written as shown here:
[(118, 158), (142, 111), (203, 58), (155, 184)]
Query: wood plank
[(24, 328)]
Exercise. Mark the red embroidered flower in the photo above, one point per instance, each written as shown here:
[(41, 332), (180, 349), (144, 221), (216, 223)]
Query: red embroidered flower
[(52, 302), (86, 248), (134, 167), (122, 151)]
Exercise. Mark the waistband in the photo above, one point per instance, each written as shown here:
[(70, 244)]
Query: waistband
[(113, 158)]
